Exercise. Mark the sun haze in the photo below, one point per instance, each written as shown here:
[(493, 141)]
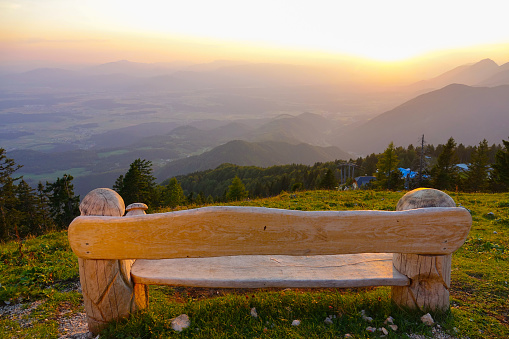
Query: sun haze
[(263, 30)]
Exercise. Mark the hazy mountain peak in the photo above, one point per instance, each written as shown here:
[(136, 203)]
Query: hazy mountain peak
[(487, 61)]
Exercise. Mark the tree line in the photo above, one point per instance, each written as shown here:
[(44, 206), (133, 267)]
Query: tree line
[(28, 211), (450, 166), (437, 167)]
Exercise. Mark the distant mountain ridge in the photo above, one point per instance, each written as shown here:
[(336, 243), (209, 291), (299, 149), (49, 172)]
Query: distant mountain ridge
[(245, 153), (468, 114), (483, 73)]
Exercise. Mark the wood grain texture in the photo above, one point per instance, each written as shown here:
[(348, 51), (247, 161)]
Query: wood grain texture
[(340, 271), (108, 291), (430, 275), (226, 231)]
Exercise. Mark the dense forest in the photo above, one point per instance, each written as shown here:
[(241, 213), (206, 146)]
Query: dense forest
[(27, 211)]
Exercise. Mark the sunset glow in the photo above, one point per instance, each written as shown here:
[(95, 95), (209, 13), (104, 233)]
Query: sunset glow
[(154, 31)]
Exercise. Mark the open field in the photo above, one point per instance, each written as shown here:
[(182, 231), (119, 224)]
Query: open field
[(43, 278)]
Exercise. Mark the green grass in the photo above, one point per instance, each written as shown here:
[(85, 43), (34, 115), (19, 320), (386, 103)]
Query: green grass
[(479, 291)]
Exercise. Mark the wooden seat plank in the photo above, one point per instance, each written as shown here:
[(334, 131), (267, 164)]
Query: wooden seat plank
[(259, 271)]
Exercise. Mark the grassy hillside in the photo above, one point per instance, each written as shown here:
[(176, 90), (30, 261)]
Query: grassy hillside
[(43, 278)]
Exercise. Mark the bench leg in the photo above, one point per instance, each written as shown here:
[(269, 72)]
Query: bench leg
[(430, 278), (140, 296), (430, 275), (108, 291)]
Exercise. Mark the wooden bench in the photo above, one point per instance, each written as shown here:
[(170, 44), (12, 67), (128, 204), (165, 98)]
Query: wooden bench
[(252, 247)]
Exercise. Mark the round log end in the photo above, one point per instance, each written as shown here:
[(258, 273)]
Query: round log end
[(424, 197), (103, 201), (136, 209)]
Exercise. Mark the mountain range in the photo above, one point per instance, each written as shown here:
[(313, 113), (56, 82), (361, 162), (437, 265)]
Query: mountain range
[(469, 103), (483, 73), (261, 154), (468, 114)]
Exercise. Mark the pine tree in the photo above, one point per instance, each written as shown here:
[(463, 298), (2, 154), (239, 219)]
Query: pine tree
[(138, 184), (31, 221), (237, 190), (500, 175), (47, 222), (173, 195), (477, 174), (387, 175), (328, 181), (8, 197), (444, 175), (63, 204)]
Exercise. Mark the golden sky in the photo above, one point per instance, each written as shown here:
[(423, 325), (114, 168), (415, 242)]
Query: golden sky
[(95, 31)]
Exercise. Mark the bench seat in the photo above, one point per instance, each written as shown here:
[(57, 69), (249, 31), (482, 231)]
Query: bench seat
[(259, 271)]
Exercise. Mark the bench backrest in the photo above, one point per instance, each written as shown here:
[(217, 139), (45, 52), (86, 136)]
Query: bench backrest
[(224, 231)]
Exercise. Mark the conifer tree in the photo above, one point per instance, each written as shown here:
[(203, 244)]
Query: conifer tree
[(328, 181), (444, 175), (387, 175), (30, 211), (63, 204), (477, 174), (237, 190), (173, 195), (8, 197), (138, 184), (500, 175)]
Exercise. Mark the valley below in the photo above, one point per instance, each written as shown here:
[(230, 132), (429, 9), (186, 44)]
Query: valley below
[(94, 122)]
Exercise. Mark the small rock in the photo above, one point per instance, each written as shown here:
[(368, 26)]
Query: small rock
[(365, 317), (394, 327), (495, 232), (180, 323), (384, 330), (427, 319), (370, 329), (254, 314), (389, 320), (328, 321), (296, 322)]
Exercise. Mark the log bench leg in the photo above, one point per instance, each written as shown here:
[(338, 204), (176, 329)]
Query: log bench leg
[(430, 278), (108, 290), (430, 275)]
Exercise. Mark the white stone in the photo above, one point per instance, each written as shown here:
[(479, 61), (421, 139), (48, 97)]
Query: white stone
[(254, 314), (180, 323), (365, 317), (328, 321), (427, 319), (389, 320), (368, 319), (296, 322)]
